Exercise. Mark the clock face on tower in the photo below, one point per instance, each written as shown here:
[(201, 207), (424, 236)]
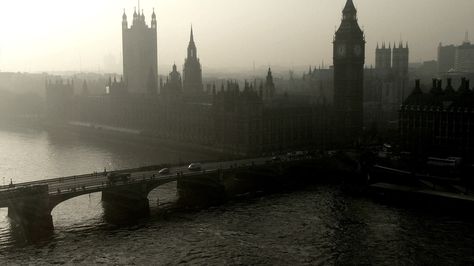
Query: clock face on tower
[(341, 50), (357, 50)]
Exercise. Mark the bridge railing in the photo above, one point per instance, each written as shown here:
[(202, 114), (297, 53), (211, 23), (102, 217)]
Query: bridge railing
[(106, 185), (49, 181), (237, 164)]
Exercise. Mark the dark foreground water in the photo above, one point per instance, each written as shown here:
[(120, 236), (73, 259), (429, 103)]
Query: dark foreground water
[(317, 225)]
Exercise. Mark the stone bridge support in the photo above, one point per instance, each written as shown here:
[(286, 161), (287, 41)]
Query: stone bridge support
[(201, 190), (32, 211), (129, 201)]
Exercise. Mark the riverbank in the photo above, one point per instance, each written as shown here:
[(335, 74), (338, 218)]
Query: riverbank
[(132, 137)]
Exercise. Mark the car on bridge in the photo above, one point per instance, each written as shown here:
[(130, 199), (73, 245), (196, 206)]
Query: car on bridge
[(164, 171), (296, 155), (276, 159), (195, 167), (113, 178)]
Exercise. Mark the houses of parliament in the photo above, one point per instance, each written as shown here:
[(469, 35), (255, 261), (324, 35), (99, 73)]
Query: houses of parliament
[(248, 118)]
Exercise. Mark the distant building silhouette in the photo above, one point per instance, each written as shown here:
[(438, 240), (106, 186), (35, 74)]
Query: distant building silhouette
[(140, 54), (192, 72), (349, 58), (452, 59), (316, 84), (446, 58), (117, 88), (59, 98), (400, 61), (386, 86), (391, 66), (254, 120), (173, 85), (440, 122), (464, 60), (246, 123), (269, 89), (383, 59)]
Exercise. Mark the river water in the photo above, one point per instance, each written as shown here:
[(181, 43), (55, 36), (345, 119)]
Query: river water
[(318, 225)]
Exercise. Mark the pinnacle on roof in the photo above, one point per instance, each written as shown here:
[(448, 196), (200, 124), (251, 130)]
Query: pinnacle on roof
[(349, 7)]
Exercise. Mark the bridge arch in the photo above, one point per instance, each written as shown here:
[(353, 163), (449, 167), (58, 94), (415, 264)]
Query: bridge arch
[(55, 203), (144, 187)]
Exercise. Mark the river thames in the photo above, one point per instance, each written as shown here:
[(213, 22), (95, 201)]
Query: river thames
[(317, 225)]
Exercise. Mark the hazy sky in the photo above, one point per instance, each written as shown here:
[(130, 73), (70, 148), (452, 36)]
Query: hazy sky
[(53, 35)]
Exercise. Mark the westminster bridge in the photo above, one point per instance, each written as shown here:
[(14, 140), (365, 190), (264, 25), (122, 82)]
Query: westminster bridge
[(31, 203)]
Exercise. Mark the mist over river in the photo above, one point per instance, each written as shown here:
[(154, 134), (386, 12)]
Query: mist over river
[(320, 224)]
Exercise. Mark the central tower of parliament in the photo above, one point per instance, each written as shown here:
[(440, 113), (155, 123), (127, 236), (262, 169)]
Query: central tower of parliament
[(192, 72)]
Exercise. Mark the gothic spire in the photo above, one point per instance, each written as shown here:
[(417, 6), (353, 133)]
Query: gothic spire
[(349, 8), (153, 20), (124, 20), (191, 39)]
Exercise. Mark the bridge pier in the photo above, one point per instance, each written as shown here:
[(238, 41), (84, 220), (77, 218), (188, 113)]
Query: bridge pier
[(201, 190), (126, 202), (33, 212)]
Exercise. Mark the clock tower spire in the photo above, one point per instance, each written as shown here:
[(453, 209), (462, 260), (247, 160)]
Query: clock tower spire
[(349, 58)]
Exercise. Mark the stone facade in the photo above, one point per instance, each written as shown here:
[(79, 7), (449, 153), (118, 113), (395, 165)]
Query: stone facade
[(140, 54), (246, 121), (440, 121)]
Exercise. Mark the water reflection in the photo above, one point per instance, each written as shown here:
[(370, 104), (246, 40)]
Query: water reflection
[(317, 225)]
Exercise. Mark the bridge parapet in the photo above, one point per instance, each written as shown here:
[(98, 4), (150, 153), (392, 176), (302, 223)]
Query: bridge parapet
[(33, 202)]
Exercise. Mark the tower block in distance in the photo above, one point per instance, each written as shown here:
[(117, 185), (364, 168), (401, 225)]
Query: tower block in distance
[(349, 58), (140, 54)]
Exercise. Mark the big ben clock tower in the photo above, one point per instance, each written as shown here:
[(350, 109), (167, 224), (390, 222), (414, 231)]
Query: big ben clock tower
[(349, 57)]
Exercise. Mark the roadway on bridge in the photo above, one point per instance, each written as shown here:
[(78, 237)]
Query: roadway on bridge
[(96, 181)]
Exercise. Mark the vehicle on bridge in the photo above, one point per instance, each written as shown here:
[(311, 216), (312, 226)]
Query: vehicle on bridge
[(296, 155), (113, 178), (276, 159), (195, 167), (164, 171)]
